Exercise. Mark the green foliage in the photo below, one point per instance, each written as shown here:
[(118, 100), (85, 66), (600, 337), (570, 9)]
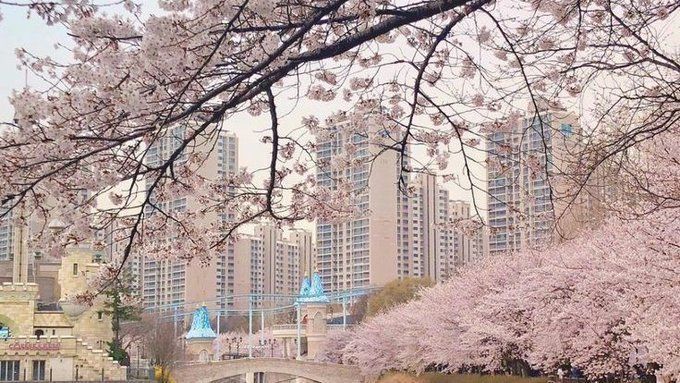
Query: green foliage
[(395, 293), (359, 309), (118, 294), (118, 353)]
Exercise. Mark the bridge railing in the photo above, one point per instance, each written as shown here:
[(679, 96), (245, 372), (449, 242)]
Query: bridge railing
[(293, 326), (339, 326)]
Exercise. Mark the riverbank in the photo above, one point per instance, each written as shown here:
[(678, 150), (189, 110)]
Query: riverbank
[(457, 378)]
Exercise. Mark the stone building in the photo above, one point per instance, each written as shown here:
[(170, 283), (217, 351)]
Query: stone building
[(56, 342)]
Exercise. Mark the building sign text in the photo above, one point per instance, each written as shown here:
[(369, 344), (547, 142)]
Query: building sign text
[(29, 346)]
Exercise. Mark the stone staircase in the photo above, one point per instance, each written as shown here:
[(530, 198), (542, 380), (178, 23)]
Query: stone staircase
[(96, 365)]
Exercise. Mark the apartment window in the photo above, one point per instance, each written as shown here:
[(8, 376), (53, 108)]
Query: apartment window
[(38, 370), (9, 370), (75, 269)]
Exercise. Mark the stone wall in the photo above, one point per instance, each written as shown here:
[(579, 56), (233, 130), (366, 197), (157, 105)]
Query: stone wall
[(17, 303), (92, 325), (63, 356)]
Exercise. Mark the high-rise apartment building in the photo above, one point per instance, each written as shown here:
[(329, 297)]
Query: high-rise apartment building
[(263, 263), (172, 282), (307, 249), (523, 163), (436, 246), (361, 251), (394, 234), (467, 246), (7, 240), (269, 263)]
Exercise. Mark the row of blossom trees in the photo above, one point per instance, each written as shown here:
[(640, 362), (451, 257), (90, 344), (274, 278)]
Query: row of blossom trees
[(607, 302)]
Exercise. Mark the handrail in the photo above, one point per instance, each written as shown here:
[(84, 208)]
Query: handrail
[(173, 310)]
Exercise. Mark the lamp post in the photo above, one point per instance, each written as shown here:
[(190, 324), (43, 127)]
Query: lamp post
[(262, 325), (218, 336), (344, 313), (250, 326), (299, 330)]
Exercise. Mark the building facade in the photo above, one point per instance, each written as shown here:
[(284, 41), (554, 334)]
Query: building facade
[(361, 251), (164, 282), (7, 240), (62, 342), (432, 245), (523, 178), (395, 234), (270, 263), (263, 263)]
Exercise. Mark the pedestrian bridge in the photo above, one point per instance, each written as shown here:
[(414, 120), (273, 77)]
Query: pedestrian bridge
[(219, 370)]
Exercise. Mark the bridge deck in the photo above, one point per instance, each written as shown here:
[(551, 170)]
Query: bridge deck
[(319, 372)]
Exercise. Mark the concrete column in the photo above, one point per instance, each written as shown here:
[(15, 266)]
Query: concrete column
[(250, 377), (299, 330), (21, 258), (316, 328)]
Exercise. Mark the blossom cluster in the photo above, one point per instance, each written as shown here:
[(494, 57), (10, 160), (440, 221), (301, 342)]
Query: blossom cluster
[(604, 304), (410, 74)]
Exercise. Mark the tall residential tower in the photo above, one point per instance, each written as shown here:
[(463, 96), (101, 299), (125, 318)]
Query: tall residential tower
[(523, 163), (395, 234)]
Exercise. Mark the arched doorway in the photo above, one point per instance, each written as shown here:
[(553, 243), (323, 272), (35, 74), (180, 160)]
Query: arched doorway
[(39, 333), (203, 356)]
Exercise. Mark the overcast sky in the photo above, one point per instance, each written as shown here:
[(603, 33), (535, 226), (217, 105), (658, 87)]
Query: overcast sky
[(18, 31)]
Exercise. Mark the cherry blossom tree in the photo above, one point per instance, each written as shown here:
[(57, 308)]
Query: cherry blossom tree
[(606, 305), (432, 76), (605, 302), (335, 343)]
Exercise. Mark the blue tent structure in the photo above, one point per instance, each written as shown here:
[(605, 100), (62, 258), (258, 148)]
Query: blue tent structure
[(200, 325), (312, 291)]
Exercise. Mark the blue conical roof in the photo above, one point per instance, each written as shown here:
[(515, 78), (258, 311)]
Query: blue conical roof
[(200, 325), (312, 292)]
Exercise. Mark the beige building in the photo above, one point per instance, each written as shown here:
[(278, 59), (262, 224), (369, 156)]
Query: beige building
[(361, 251), (270, 263), (528, 204), (263, 263), (304, 240), (58, 343), (176, 282), (431, 244), (394, 234)]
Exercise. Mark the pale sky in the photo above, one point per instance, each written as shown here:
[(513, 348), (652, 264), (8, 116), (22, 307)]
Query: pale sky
[(18, 31)]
